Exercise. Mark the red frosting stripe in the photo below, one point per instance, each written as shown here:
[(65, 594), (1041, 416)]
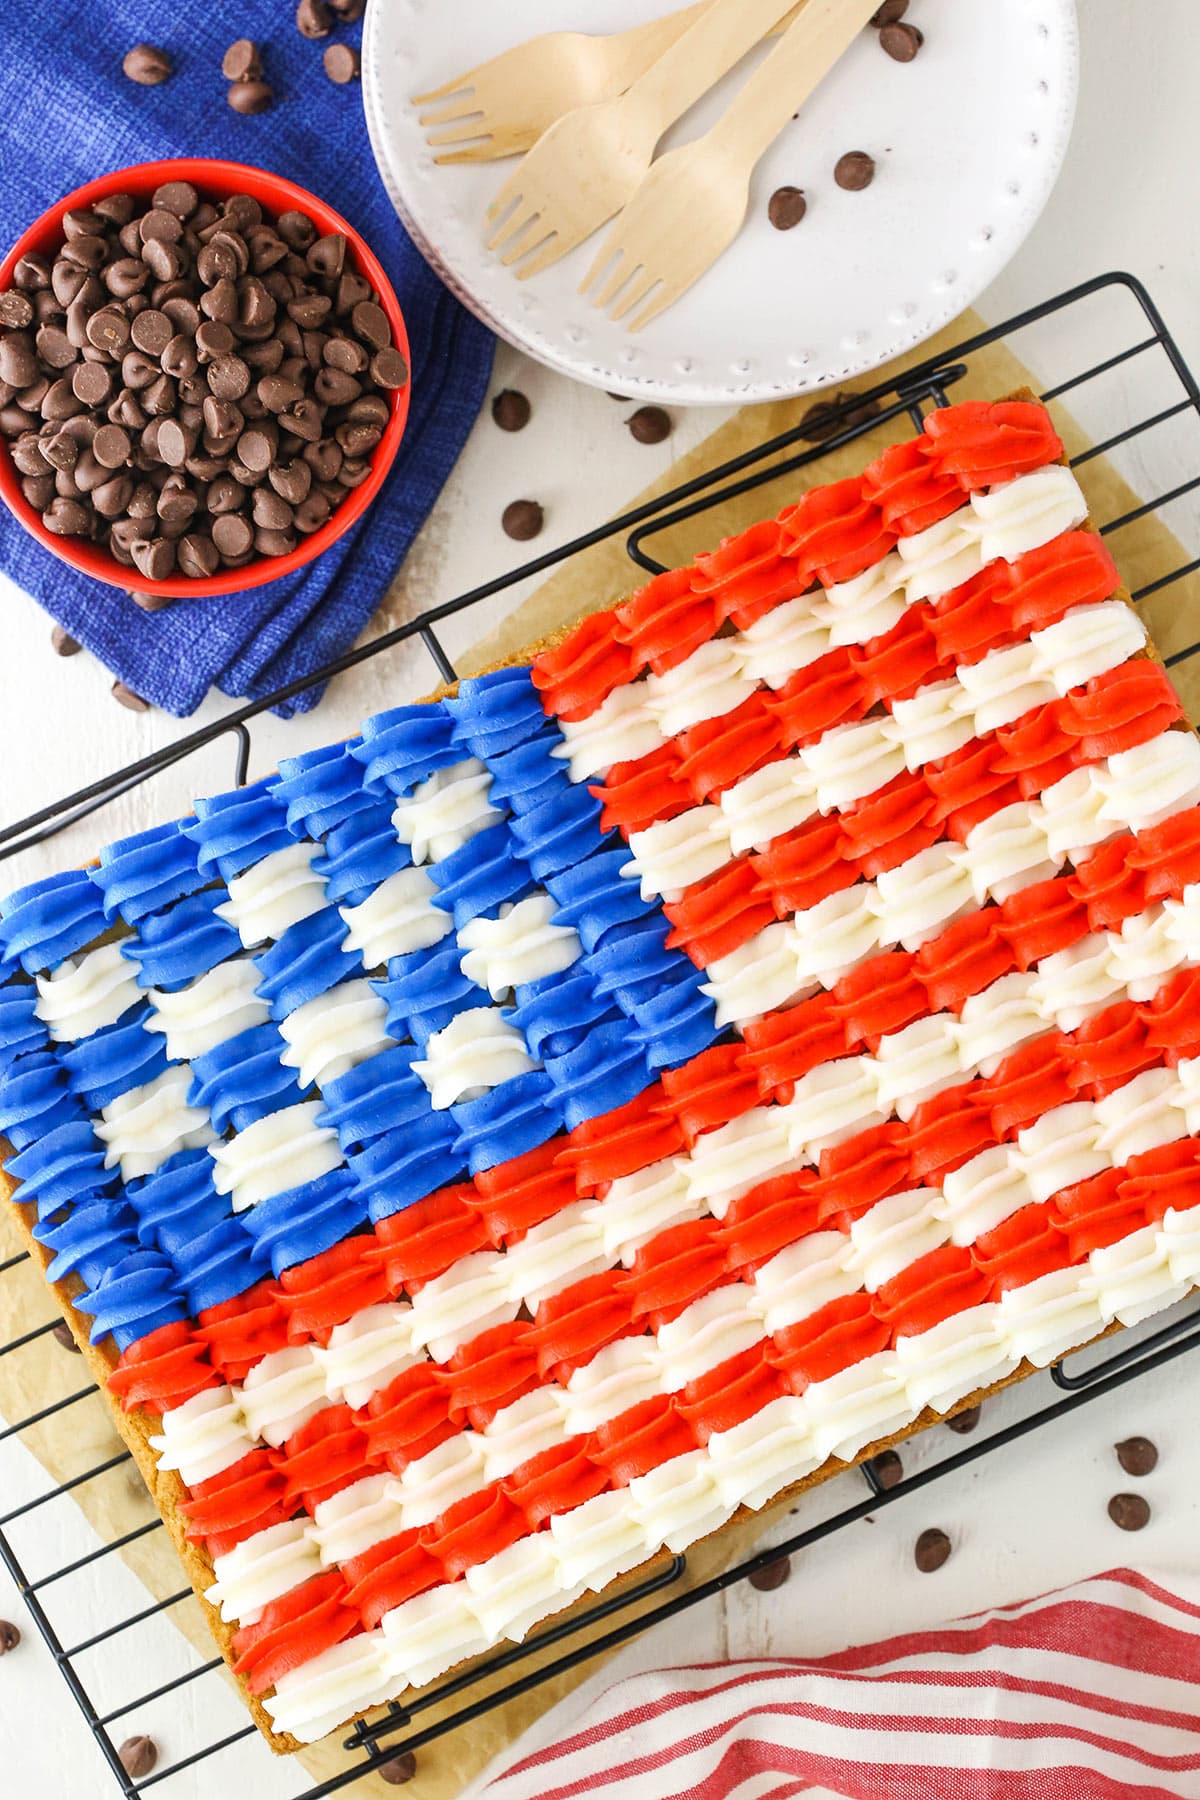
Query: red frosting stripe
[(489, 1372), (299, 1625), (1026, 1246), (894, 665), (408, 1418), (640, 1439), (672, 1270), (388, 1574), (325, 1454), (1167, 1176), (665, 621), (712, 1089), (515, 1196), (732, 1392), (717, 753), (942, 1282), (162, 1370), (1120, 708), (330, 1288), (619, 1142), (573, 1324), (830, 691), (578, 675), (1093, 1214), (747, 575), (248, 1496), (240, 1331), (644, 791), (1075, 569), (473, 1529), (557, 1481), (772, 1215), (835, 532), (909, 488), (839, 1333), (718, 915), (984, 443), (421, 1242)]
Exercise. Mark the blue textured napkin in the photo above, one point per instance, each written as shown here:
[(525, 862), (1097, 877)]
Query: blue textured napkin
[(68, 114)]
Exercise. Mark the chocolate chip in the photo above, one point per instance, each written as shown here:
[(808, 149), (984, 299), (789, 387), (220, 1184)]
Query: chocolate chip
[(138, 1754), (341, 63), (178, 197), (511, 410), (389, 368), (522, 519), (650, 425), (1137, 1455), (889, 12), (16, 310), (10, 1636), (349, 10), (63, 644), (313, 19), (901, 41), (242, 62), (111, 446), (398, 1770), (786, 207), (771, 1575), (147, 65), (889, 1470), (854, 171), (149, 602), (135, 703), (328, 257), (1130, 1511), (825, 417), (152, 331), (964, 1422), (250, 96), (931, 1550)]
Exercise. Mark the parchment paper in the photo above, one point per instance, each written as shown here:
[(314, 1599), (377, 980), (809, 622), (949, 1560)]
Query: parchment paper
[(40, 1373)]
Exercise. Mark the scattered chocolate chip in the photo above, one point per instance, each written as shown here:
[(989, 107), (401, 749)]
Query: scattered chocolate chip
[(341, 63), (242, 62), (348, 11), (901, 41), (511, 410), (889, 1470), (772, 1575), (135, 703), (313, 19), (931, 1550), (147, 65), (650, 425), (10, 1636), (786, 207), (1137, 1455), (1130, 1511), (889, 12), (825, 417), (522, 519), (149, 602), (854, 171), (62, 1333), (63, 644), (138, 1756), (250, 96), (397, 1771), (964, 1422)]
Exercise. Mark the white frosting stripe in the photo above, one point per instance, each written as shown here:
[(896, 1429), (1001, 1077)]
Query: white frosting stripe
[(446, 811), (143, 1128), (86, 993), (640, 716), (849, 762), (284, 1150)]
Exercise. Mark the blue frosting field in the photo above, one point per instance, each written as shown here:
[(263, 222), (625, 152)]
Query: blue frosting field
[(168, 1245)]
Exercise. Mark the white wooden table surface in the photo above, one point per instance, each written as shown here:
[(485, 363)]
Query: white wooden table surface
[(1019, 1523)]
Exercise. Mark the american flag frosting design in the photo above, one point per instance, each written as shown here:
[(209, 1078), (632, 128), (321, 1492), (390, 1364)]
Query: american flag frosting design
[(505, 1145)]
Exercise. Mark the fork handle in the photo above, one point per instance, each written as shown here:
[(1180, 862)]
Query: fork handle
[(822, 31), (696, 61)]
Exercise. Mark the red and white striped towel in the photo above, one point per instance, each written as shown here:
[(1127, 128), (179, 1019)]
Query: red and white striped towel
[(1089, 1693)]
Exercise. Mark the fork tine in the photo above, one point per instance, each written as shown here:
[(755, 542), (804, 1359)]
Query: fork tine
[(666, 296), (455, 86), (512, 191), (635, 293), (479, 150), (628, 267), (549, 249), (531, 237), (466, 108), (515, 219), (475, 126)]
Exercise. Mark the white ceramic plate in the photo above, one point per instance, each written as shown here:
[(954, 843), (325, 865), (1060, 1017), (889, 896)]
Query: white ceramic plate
[(968, 139)]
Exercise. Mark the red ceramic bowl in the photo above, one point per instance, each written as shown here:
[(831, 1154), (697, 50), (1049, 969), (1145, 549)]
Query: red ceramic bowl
[(216, 181)]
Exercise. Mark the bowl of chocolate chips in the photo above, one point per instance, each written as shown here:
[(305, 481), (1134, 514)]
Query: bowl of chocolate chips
[(204, 378)]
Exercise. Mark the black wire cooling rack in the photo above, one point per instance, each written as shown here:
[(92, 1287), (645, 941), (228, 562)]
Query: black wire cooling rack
[(1142, 380)]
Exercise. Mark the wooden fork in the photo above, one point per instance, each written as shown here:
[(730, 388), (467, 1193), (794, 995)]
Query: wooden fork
[(502, 107), (691, 205), (584, 169)]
